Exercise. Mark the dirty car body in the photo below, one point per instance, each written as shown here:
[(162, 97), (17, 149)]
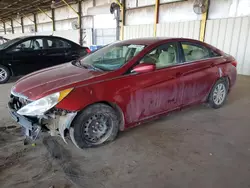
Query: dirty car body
[(120, 86)]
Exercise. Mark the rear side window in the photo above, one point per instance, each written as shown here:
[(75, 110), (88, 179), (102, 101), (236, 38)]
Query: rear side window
[(214, 54), (57, 43), (194, 52)]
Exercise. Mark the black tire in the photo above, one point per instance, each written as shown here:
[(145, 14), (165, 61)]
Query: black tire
[(6, 74), (211, 100), (90, 119)]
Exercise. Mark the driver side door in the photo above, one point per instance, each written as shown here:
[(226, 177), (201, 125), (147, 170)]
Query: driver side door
[(157, 92), (25, 57)]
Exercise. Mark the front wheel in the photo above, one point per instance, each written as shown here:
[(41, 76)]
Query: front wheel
[(94, 126), (218, 94), (4, 74)]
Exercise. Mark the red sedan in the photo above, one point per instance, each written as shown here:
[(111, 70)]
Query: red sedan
[(121, 86)]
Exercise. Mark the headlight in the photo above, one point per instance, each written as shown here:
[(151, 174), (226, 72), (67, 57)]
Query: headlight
[(40, 106)]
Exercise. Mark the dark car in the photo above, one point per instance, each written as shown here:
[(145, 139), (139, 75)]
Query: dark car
[(120, 86), (24, 55)]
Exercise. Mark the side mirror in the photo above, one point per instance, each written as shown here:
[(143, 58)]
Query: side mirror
[(144, 67)]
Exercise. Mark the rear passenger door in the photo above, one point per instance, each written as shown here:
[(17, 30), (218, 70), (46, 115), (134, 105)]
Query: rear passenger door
[(55, 51), (198, 72)]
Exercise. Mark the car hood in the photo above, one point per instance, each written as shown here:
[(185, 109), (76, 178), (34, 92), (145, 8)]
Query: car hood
[(53, 79)]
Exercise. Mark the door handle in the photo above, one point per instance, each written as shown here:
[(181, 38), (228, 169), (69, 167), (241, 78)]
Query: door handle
[(42, 53)]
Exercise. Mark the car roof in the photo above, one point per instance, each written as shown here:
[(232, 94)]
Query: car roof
[(38, 36), (153, 40)]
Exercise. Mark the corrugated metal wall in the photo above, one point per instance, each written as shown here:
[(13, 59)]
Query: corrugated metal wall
[(232, 36), (189, 29), (137, 31)]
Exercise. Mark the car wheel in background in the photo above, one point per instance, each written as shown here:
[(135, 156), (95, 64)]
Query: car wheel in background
[(218, 94), (4, 74), (94, 126)]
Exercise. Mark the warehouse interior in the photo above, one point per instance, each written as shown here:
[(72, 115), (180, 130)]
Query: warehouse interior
[(197, 147), (225, 24)]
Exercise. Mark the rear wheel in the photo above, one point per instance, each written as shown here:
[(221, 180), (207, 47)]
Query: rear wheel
[(94, 126), (4, 74), (218, 94)]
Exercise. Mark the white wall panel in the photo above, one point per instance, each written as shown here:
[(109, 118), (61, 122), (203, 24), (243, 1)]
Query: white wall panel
[(27, 20), (16, 35), (18, 30), (85, 6), (179, 29), (138, 31), (104, 21), (228, 8), (16, 22), (87, 22), (102, 2), (64, 24), (179, 11), (44, 27), (63, 13), (140, 16), (130, 3), (232, 36), (43, 18), (72, 35)]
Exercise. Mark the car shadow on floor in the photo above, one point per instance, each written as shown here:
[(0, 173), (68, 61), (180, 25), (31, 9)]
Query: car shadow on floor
[(14, 79)]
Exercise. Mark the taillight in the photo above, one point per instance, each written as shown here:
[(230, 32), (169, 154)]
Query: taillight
[(234, 63), (88, 50)]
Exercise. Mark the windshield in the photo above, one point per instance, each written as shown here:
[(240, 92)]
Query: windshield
[(9, 43), (112, 57)]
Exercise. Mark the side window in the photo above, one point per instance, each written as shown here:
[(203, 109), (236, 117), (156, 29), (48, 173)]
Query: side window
[(57, 44), (24, 46), (163, 56), (37, 44), (194, 52), (214, 54)]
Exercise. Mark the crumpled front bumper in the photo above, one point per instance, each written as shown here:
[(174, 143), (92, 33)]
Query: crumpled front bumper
[(33, 125), (30, 125)]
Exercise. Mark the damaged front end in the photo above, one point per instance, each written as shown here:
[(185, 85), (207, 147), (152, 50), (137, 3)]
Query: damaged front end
[(54, 121)]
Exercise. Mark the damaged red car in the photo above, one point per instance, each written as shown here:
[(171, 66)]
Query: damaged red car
[(121, 86)]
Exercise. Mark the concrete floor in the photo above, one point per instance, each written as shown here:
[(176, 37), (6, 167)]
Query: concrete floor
[(197, 147)]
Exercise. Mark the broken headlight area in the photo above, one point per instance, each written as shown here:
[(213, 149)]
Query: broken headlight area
[(55, 121)]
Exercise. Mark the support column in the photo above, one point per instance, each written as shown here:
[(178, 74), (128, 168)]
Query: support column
[(80, 22), (4, 28), (123, 13), (22, 25), (157, 3), (12, 27), (204, 21), (35, 23), (53, 20)]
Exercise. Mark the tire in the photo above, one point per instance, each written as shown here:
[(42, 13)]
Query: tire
[(218, 100), (4, 74), (94, 126)]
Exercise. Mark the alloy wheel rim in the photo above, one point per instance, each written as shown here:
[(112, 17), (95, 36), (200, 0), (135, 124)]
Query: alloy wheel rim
[(3, 74), (97, 129), (219, 94)]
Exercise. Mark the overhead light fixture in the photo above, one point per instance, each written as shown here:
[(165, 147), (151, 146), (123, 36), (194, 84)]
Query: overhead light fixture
[(53, 4)]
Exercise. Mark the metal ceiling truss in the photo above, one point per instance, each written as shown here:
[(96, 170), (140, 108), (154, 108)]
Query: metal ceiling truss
[(10, 9)]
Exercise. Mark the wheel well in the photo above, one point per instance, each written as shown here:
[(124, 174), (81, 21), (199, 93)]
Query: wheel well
[(117, 110), (226, 78), (119, 113), (11, 72)]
